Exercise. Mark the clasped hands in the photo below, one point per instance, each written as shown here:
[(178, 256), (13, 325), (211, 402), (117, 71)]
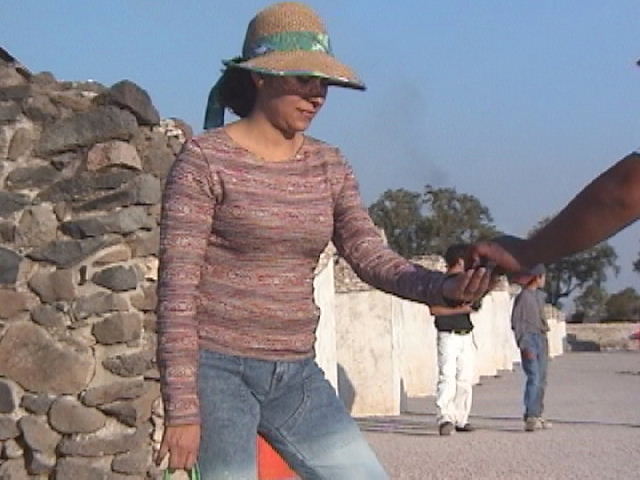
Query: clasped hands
[(485, 262)]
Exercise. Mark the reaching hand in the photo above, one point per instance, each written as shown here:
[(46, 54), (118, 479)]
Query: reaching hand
[(181, 442), (506, 253), (467, 286)]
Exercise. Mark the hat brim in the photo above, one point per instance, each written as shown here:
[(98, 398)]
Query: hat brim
[(302, 63)]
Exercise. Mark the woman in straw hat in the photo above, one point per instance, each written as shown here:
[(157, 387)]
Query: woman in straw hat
[(248, 208)]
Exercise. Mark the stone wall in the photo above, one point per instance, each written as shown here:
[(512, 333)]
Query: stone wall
[(81, 172)]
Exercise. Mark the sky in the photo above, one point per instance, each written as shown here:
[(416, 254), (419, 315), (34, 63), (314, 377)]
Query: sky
[(518, 102)]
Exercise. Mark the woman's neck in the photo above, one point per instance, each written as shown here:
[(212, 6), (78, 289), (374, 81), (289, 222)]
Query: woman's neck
[(264, 140)]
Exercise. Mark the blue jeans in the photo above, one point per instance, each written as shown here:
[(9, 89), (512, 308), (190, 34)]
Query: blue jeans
[(534, 352), (292, 405)]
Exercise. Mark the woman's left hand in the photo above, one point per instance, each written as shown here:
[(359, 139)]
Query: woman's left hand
[(467, 286)]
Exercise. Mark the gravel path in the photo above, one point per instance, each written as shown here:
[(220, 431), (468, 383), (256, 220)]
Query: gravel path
[(593, 400)]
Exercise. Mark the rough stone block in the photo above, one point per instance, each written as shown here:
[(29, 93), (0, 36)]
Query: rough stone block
[(40, 364)]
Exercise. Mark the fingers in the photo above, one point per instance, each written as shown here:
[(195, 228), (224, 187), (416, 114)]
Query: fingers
[(477, 285), (181, 444), (467, 286)]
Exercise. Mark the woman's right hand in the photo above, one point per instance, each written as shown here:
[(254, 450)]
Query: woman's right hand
[(181, 442), (466, 287)]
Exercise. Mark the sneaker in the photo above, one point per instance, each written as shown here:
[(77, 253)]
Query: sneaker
[(446, 428), (545, 424), (532, 423), (467, 427)]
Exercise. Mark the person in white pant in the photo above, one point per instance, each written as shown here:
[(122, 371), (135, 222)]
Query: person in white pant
[(456, 355)]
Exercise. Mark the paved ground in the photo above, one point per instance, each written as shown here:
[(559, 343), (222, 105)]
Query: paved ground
[(593, 400)]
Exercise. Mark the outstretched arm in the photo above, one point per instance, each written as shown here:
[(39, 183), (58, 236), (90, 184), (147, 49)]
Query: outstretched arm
[(605, 206)]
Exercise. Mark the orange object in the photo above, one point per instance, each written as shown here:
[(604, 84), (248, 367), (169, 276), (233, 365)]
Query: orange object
[(271, 466)]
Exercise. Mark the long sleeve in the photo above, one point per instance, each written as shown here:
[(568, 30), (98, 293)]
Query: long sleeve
[(187, 213), (358, 240), (518, 318)]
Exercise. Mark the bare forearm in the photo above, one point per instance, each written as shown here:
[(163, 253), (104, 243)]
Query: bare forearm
[(602, 208), (438, 310)]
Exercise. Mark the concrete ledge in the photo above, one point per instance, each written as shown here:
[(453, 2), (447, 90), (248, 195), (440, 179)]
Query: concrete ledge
[(602, 336)]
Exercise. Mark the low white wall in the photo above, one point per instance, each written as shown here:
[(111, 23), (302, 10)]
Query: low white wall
[(385, 349), (325, 347), (368, 367)]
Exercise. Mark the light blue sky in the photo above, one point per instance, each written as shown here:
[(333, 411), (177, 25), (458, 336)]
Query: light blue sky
[(518, 102)]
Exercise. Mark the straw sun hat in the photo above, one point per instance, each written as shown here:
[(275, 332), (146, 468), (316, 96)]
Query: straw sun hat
[(287, 39)]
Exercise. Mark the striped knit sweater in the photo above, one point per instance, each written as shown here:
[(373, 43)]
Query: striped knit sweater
[(239, 242)]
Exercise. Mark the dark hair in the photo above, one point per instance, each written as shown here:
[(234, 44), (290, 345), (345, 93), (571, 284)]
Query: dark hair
[(454, 253), (237, 91)]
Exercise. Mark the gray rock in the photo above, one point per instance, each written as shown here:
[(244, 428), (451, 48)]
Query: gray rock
[(130, 96), (10, 262), (72, 100), (38, 435), (125, 390), (144, 243), (44, 79), (81, 469), (8, 428), (110, 201), (115, 153), (12, 303), (85, 186), (9, 111), (157, 156), (118, 328), (118, 278), (31, 177), (13, 470), (146, 190), (94, 445), (8, 394), (49, 317), (21, 143), (68, 162), (41, 109), (67, 253), (12, 449), (147, 300), (85, 86), (129, 365), (123, 222), (134, 412), (7, 232), (37, 226), (15, 92), (54, 286), (99, 303), (33, 359), (40, 463), (12, 202), (67, 415), (133, 462), (87, 128), (38, 404)]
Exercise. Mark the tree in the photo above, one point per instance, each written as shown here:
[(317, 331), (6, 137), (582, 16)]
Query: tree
[(398, 213), (453, 217), (418, 224), (623, 305), (579, 271), (591, 303)]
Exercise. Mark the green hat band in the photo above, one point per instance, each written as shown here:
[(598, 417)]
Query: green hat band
[(287, 42)]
